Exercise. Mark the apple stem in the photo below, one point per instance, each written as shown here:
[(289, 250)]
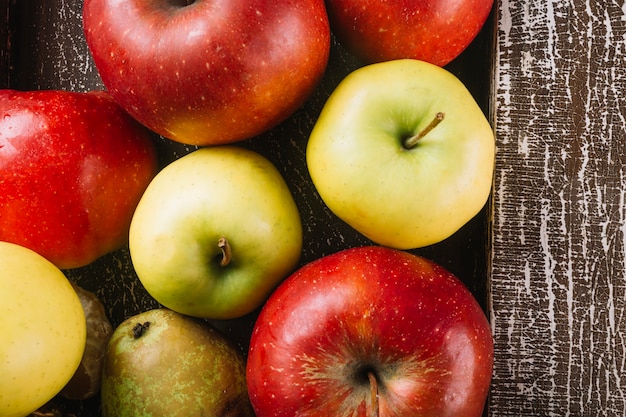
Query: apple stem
[(374, 393), (410, 143), (227, 254)]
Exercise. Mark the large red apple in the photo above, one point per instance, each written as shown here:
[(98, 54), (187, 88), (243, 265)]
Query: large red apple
[(209, 72), (73, 167), (436, 31), (370, 331)]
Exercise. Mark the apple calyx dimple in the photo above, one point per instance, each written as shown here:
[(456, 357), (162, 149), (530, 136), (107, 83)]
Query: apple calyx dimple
[(140, 329), (182, 3), (227, 253), (411, 142)]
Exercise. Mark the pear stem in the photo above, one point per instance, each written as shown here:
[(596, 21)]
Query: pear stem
[(374, 393), (411, 142), (227, 253)]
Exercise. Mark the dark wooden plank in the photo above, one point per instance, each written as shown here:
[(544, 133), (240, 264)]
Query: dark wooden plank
[(559, 237), (6, 40), (49, 48)]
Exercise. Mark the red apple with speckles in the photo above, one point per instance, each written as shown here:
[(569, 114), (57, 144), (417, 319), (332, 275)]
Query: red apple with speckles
[(73, 167), (370, 331), (436, 31), (208, 72)]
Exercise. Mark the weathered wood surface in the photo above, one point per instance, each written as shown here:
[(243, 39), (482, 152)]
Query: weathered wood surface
[(559, 228)]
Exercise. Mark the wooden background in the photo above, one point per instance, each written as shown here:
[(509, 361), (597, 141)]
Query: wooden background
[(552, 240), (559, 232)]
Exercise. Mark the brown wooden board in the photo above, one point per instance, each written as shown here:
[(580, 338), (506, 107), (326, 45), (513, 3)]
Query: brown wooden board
[(559, 237), (42, 47)]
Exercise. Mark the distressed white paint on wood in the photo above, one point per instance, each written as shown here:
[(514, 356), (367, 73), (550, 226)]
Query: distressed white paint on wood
[(558, 284), (52, 32)]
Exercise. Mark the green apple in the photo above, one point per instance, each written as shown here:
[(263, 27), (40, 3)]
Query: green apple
[(215, 232), (43, 330), (162, 363), (402, 153)]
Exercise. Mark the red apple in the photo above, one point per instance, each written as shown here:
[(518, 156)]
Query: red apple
[(209, 72), (370, 331), (73, 167), (436, 31)]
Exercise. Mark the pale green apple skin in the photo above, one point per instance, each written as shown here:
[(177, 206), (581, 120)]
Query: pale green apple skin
[(215, 192), (398, 197)]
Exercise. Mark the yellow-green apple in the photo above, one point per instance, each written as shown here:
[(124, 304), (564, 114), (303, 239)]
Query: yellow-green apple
[(436, 31), (403, 153), (72, 168), (162, 363), (370, 331), (215, 232), (207, 72), (43, 330)]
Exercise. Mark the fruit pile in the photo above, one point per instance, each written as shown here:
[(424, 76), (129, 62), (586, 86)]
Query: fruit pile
[(401, 153)]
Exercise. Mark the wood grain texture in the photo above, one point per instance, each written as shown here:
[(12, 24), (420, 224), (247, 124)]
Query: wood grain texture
[(6, 39), (559, 234)]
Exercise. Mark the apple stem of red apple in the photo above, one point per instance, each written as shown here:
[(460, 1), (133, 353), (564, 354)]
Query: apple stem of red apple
[(227, 254), (374, 393), (411, 142)]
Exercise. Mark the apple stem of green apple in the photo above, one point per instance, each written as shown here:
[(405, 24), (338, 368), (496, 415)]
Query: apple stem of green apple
[(374, 392), (411, 142), (227, 254)]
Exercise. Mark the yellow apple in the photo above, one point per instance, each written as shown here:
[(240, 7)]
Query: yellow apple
[(43, 330)]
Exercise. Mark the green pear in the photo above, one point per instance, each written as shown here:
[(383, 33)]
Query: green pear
[(162, 363)]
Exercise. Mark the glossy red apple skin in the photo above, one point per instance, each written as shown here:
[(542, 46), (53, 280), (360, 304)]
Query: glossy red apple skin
[(408, 320), (211, 72), (72, 169), (436, 31)]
